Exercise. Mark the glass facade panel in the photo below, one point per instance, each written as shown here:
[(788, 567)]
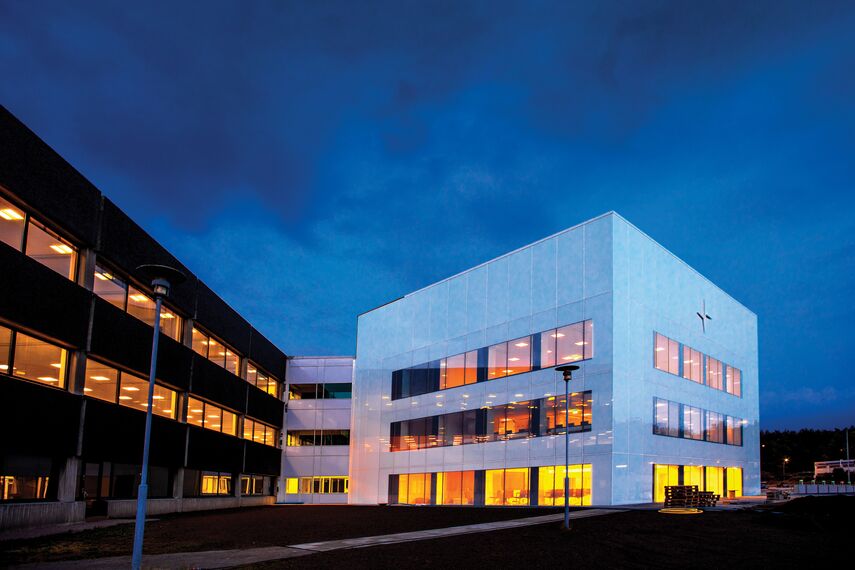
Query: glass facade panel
[(494, 487), (337, 391), (101, 381), (517, 422), (519, 355), (547, 348), (419, 489), (734, 431), (516, 486), (734, 381), (302, 391), (571, 343), (454, 373), (50, 250), (714, 376), (11, 225), (232, 362), (589, 339), (714, 429), (109, 287), (140, 305), (693, 423), (497, 361), (229, 422), (39, 361), (693, 362)]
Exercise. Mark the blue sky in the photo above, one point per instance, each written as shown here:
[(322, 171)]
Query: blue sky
[(312, 160)]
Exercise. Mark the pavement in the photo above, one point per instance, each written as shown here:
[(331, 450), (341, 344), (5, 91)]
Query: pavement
[(230, 558)]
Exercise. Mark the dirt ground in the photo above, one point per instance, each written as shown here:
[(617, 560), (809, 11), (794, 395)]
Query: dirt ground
[(802, 533)]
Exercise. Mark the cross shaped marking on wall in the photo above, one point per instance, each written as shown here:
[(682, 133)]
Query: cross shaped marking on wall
[(702, 314)]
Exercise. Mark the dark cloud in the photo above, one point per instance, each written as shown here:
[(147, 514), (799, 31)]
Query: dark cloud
[(317, 159)]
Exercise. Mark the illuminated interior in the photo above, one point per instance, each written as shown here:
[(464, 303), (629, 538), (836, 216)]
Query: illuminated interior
[(20, 487), (39, 361), (695, 366), (550, 487), (709, 478), (46, 247), (324, 485), (664, 476), (455, 488), (697, 423), (506, 487), (101, 381), (221, 355)]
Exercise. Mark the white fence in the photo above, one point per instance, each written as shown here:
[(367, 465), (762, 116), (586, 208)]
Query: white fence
[(823, 489)]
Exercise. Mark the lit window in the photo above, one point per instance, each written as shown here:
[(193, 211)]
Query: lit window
[(195, 412), (666, 354), (453, 374), (550, 489), (39, 361), (302, 391), (229, 424), (133, 393), (5, 349), (497, 361), (11, 225), (50, 250), (101, 381), (215, 351), (714, 376), (519, 355), (200, 342), (693, 362), (109, 287), (571, 343), (734, 381)]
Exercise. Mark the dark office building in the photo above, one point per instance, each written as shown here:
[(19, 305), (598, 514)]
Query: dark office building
[(75, 342)]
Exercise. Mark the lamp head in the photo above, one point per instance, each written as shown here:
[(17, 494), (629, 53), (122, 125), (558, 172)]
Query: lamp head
[(567, 369), (162, 277)]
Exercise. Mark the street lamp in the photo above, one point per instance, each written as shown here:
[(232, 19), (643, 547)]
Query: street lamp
[(784, 467), (162, 278), (567, 370)]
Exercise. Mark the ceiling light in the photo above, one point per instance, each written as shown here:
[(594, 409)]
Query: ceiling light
[(61, 248), (167, 316), (4, 367), (56, 364), (521, 344), (197, 410), (87, 389), (131, 388), (99, 378), (580, 343), (514, 359), (125, 398), (660, 348), (559, 335), (47, 379), (139, 298), (213, 415), (158, 398), (10, 214)]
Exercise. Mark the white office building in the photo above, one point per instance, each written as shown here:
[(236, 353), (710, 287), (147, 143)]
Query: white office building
[(317, 430), (456, 400)]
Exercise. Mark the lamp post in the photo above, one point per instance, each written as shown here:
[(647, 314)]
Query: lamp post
[(567, 371), (162, 278), (784, 468)]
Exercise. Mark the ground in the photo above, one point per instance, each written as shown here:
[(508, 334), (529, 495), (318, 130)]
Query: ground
[(803, 532)]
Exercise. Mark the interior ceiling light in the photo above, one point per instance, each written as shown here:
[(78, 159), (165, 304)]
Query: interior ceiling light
[(521, 344), (62, 249), (10, 215), (139, 298), (47, 379)]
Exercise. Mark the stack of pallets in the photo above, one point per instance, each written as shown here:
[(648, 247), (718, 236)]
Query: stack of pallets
[(681, 496)]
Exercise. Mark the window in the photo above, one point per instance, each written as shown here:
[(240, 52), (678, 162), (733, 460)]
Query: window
[(11, 225), (497, 361), (262, 380), (109, 287), (715, 480), (571, 343), (714, 379), (455, 488), (260, 433), (693, 362), (255, 485), (550, 489), (133, 393), (298, 438), (195, 412), (211, 417), (519, 355), (101, 381), (218, 353), (414, 489), (39, 361), (715, 429), (734, 480), (318, 485), (667, 418), (5, 349), (46, 247), (734, 381), (664, 476), (302, 391), (666, 354), (138, 304), (734, 431), (694, 475), (215, 483), (506, 487), (693, 423), (532, 418), (337, 391), (26, 478)]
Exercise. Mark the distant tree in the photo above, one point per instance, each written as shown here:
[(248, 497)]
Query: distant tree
[(802, 447)]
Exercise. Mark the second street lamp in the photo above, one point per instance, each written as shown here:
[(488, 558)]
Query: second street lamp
[(162, 279), (567, 371)]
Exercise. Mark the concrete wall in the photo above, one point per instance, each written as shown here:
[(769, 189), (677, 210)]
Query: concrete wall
[(22, 515), (128, 508)]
